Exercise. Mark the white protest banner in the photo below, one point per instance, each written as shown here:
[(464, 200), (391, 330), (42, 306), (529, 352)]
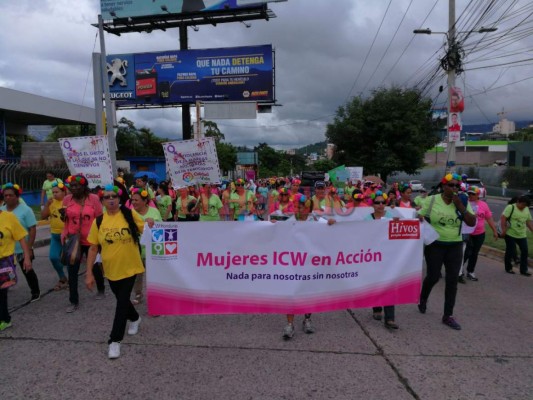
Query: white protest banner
[(356, 173), (191, 162), (88, 155), (282, 267)]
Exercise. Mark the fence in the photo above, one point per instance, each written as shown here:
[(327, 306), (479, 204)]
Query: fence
[(29, 178)]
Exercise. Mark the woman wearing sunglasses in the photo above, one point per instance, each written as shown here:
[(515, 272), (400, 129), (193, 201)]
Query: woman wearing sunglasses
[(242, 203), (379, 201), (445, 212), (121, 259)]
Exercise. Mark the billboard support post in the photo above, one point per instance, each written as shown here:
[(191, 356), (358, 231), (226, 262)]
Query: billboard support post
[(107, 97), (198, 134), (98, 94), (185, 107)]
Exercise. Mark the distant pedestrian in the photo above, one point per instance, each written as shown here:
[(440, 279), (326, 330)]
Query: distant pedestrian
[(504, 187), (46, 192)]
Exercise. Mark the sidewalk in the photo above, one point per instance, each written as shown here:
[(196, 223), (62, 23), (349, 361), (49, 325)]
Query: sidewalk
[(48, 354)]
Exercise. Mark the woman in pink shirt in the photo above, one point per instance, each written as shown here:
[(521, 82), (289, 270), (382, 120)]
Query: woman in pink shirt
[(477, 237), (81, 208)]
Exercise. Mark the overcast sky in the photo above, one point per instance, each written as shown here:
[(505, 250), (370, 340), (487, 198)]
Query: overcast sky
[(321, 47)]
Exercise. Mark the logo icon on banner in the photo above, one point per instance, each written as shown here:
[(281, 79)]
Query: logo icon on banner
[(188, 176), (404, 230), (165, 242), (117, 69)]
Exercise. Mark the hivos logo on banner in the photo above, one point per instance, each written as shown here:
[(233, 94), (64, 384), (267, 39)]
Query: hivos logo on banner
[(404, 229)]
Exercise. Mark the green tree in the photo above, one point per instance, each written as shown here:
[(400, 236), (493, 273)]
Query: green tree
[(388, 132), (269, 159), (65, 131), (137, 142), (227, 157), (323, 165)]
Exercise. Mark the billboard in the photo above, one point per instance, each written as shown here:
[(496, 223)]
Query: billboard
[(187, 76), (145, 8)]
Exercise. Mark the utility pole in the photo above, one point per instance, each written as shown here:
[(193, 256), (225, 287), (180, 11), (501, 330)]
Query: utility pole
[(450, 148), (185, 107)]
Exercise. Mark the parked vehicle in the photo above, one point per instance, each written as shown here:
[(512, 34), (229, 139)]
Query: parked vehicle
[(477, 182), (416, 186), (529, 195)]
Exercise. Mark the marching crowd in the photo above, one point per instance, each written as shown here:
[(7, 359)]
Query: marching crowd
[(104, 226)]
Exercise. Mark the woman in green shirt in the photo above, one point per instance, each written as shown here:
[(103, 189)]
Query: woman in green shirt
[(209, 205), (519, 218), (140, 199), (164, 202), (445, 212)]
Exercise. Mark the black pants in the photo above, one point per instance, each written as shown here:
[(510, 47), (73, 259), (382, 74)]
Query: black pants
[(73, 271), (125, 310), (450, 255), (31, 276), (510, 252), (389, 312), (473, 245), (4, 312)]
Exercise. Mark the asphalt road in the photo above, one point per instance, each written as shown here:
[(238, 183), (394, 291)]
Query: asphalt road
[(48, 354)]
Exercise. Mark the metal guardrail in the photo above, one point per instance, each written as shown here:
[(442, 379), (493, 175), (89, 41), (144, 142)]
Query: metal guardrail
[(29, 178)]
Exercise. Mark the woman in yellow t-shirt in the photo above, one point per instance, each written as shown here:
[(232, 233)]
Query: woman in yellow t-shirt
[(11, 231), (117, 232), (53, 209)]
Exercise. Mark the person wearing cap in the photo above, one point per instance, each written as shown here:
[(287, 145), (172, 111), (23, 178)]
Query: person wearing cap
[(477, 237), (242, 202), (81, 209), (445, 212), (319, 198)]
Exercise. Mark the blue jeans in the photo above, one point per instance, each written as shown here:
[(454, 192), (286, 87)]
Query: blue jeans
[(510, 252), (55, 254)]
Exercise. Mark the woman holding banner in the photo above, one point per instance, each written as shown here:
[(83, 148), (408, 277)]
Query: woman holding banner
[(445, 212), (304, 213), (379, 200)]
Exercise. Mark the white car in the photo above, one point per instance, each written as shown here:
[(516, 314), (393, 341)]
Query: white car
[(416, 186)]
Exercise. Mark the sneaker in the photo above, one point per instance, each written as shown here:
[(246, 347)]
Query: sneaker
[(391, 325), (288, 331), (461, 279), (100, 295), (308, 326), (422, 306), (451, 322), (72, 308), (525, 273), (377, 315), (4, 325), (114, 350), (471, 276), (134, 327), (35, 297)]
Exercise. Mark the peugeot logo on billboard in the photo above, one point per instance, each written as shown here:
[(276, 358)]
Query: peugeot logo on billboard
[(118, 69)]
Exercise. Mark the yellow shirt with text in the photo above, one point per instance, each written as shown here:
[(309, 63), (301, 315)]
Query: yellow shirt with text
[(121, 257)]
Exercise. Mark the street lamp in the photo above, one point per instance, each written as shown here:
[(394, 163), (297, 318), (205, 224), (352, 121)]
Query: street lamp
[(451, 63)]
